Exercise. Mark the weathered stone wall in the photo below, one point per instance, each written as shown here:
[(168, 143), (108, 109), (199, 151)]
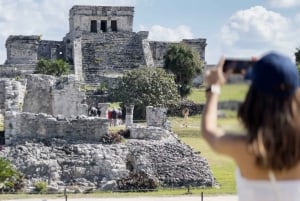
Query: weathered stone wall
[(148, 133), (156, 116), (146, 48), (159, 49), (77, 55), (50, 95), (80, 17), (67, 98), (48, 49), (11, 94), (20, 127), (22, 49), (93, 100), (16, 70), (14, 94), (104, 52), (97, 166), (2, 95), (198, 45), (38, 96)]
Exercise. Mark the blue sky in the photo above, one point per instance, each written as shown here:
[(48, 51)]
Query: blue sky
[(234, 28)]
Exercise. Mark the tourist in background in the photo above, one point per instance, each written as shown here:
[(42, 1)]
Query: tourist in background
[(268, 154), (185, 114), (109, 116), (114, 117), (119, 116)]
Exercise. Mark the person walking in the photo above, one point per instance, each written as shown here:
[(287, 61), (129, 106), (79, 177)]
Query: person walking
[(185, 114), (268, 154), (114, 117)]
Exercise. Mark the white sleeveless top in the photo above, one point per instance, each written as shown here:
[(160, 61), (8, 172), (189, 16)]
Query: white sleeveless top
[(266, 190)]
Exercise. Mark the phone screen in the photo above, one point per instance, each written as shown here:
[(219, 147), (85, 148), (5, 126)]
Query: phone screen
[(237, 66)]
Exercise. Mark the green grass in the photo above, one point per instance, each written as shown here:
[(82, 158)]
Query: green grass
[(222, 167), (229, 92)]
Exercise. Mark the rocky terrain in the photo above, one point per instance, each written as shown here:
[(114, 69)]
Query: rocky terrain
[(138, 164)]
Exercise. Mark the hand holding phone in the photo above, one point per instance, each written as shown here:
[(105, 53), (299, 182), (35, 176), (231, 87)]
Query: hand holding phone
[(237, 66)]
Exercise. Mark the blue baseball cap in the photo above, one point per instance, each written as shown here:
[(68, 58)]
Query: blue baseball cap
[(275, 74)]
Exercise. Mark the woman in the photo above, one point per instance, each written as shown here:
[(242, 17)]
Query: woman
[(268, 155)]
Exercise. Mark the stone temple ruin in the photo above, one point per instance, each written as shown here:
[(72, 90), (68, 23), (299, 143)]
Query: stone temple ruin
[(100, 43), (49, 136)]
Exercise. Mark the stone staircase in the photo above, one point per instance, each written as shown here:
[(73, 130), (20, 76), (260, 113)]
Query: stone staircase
[(111, 52)]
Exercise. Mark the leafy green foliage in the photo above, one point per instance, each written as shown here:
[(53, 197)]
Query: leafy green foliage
[(185, 63), (297, 55), (144, 87), (52, 67), (10, 179), (40, 187)]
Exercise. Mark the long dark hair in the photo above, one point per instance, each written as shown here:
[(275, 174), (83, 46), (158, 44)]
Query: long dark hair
[(273, 125)]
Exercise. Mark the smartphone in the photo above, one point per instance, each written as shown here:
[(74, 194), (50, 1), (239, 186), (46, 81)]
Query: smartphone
[(237, 66)]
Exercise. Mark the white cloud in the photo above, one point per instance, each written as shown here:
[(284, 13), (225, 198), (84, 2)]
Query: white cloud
[(256, 30), (283, 3), (48, 18), (297, 19), (161, 33)]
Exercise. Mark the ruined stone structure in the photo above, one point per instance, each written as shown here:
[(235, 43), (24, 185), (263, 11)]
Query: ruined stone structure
[(21, 127), (43, 94), (68, 152), (156, 117), (54, 96), (48, 135), (100, 43)]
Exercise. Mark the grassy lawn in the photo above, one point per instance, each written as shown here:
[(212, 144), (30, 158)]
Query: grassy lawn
[(229, 92), (222, 167)]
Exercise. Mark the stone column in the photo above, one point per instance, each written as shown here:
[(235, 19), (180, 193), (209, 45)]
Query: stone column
[(129, 116), (156, 116), (103, 107)]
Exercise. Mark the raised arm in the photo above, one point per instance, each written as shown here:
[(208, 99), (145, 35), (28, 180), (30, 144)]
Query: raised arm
[(216, 138)]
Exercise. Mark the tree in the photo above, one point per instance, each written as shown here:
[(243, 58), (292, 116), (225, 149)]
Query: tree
[(146, 86), (297, 55), (52, 67), (185, 63)]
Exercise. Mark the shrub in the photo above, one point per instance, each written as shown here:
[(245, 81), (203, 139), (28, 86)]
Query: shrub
[(40, 187), (146, 86), (111, 138), (52, 67), (11, 180)]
